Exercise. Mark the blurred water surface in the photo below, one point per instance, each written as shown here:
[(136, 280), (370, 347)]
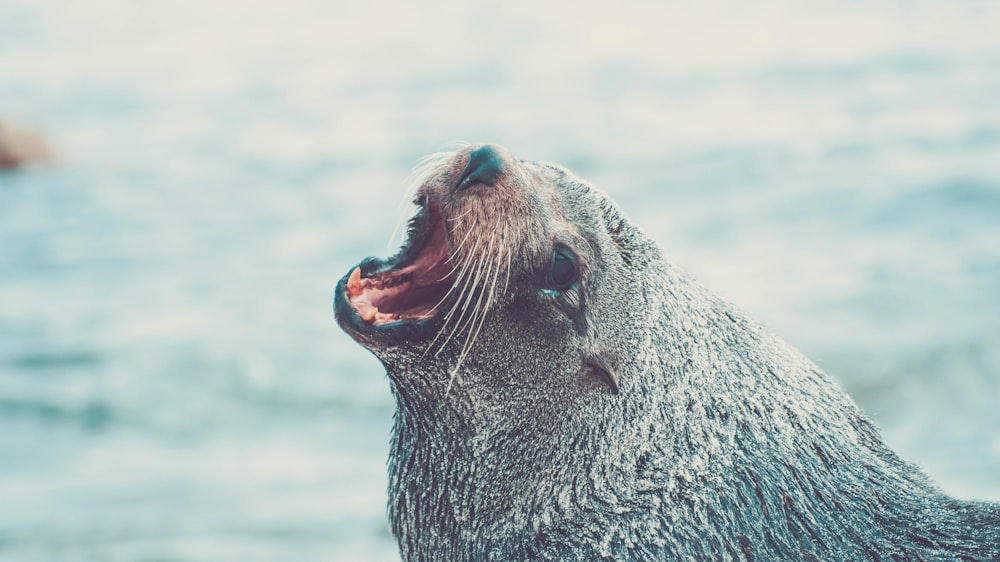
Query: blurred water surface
[(172, 383)]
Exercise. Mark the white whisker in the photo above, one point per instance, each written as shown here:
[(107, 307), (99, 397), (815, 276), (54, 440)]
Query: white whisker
[(468, 232), (479, 313), (460, 216), (466, 300), (462, 281), (506, 281), (482, 289), (476, 325)]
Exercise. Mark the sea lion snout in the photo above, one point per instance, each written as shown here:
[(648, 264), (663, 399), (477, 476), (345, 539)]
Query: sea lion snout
[(485, 166)]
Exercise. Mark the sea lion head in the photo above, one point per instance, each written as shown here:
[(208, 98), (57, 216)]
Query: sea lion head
[(512, 275), (515, 327)]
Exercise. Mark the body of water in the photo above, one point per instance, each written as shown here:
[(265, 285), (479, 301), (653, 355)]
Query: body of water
[(172, 383)]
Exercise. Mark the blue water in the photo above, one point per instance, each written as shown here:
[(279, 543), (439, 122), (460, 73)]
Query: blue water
[(172, 383)]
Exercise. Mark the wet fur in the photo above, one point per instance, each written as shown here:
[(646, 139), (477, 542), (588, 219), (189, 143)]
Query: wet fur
[(723, 442)]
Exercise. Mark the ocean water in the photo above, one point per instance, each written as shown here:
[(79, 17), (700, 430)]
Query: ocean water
[(172, 383)]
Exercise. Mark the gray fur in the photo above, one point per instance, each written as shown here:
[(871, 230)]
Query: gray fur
[(724, 443)]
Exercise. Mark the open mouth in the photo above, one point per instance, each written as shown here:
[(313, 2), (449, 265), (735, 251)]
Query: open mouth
[(404, 289)]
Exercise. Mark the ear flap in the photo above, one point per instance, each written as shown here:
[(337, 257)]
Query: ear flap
[(597, 368)]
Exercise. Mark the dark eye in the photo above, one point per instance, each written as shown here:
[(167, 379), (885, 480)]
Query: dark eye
[(563, 271)]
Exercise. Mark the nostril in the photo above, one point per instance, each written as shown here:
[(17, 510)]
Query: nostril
[(485, 165)]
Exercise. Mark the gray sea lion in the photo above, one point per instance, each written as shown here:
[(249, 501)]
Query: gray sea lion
[(563, 393)]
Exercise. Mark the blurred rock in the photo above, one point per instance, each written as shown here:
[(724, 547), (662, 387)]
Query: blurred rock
[(20, 147)]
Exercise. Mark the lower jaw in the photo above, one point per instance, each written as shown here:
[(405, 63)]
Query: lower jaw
[(375, 336)]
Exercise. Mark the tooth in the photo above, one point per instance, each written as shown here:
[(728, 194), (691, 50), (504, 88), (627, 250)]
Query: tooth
[(369, 314), (354, 283)]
